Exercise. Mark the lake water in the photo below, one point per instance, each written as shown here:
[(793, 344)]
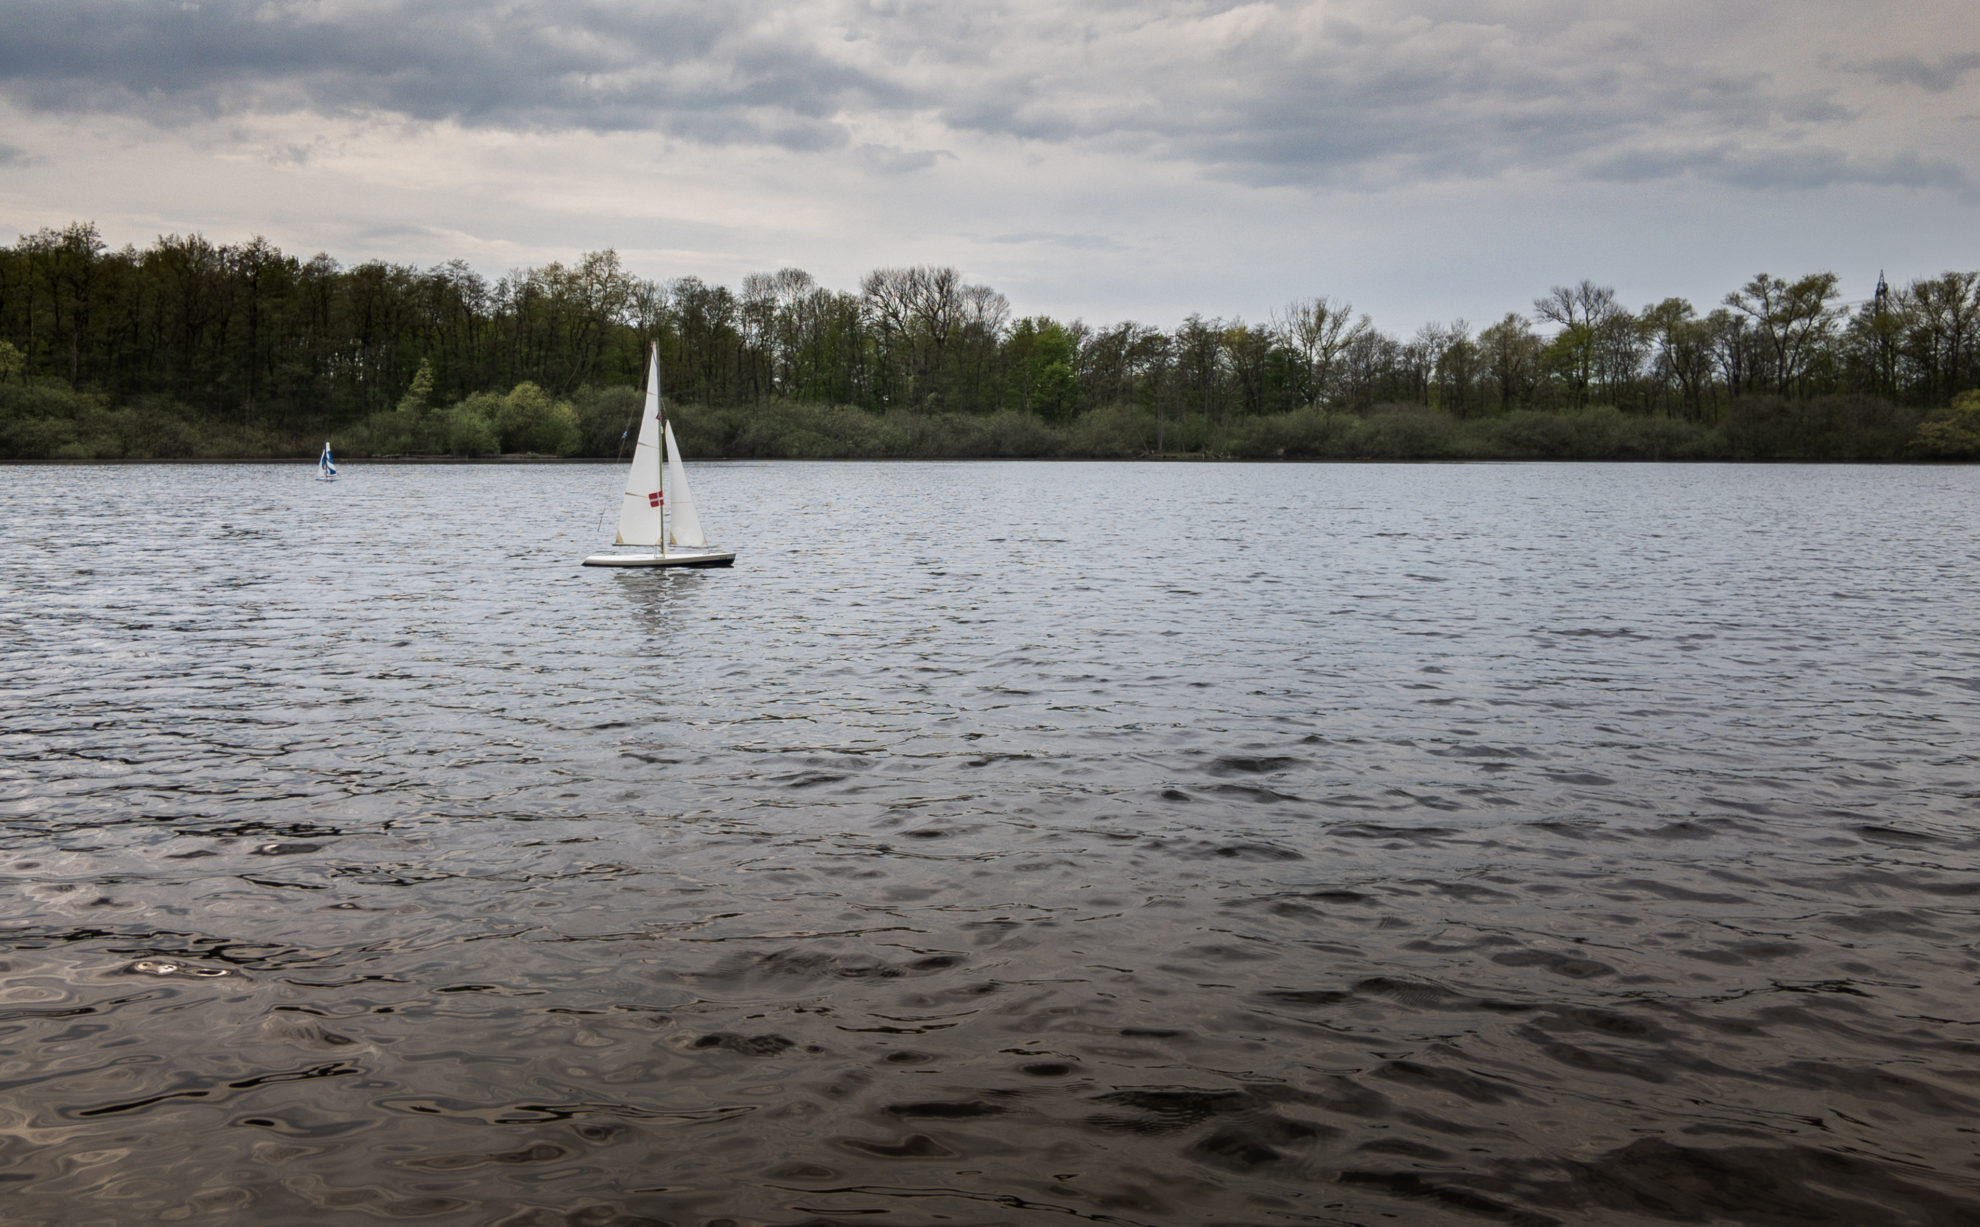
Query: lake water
[(995, 844)]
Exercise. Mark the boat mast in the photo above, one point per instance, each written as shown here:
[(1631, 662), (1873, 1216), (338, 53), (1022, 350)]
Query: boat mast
[(660, 406)]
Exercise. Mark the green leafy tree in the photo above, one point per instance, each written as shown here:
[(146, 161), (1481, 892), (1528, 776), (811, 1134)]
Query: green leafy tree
[(1199, 357), (1682, 360), (419, 393), (1041, 352), (1955, 436), (191, 348), (1791, 319), (1940, 319), (1509, 352), (528, 420), (1457, 371), (469, 428), (1581, 311)]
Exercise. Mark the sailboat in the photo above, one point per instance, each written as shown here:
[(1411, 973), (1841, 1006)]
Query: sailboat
[(657, 512), (326, 469)]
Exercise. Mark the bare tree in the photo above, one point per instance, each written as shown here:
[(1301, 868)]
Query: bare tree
[(917, 312), (1732, 343), (1580, 310), (1320, 330), (984, 315)]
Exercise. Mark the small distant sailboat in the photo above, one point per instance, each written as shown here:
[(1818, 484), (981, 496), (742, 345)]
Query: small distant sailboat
[(658, 509), (326, 468)]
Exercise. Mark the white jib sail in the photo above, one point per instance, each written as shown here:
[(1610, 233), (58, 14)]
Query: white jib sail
[(640, 515), (683, 526)]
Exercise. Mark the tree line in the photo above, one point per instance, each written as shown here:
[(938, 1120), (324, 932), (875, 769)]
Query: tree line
[(193, 348)]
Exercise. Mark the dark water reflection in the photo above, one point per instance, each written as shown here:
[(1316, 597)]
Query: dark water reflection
[(995, 844)]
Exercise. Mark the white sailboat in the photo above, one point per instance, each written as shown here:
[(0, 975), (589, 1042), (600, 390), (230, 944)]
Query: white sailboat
[(326, 469), (657, 512)]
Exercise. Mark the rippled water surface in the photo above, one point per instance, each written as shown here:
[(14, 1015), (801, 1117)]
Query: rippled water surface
[(995, 844)]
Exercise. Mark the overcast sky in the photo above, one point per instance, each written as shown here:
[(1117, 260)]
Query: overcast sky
[(1141, 159)]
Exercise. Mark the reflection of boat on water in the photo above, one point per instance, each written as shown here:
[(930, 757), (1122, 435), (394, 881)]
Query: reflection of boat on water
[(658, 508), (326, 469)]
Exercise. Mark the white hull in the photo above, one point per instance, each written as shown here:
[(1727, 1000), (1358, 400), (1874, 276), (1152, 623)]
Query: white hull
[(673, 558)]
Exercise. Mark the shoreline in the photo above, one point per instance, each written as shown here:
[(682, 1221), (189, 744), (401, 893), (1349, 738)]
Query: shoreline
[(1166, 458)]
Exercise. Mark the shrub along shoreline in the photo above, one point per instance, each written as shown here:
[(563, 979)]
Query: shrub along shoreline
[(48, 421)]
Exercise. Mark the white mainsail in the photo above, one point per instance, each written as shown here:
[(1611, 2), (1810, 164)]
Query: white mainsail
[(683, 526), (640, 514), (657, 509)]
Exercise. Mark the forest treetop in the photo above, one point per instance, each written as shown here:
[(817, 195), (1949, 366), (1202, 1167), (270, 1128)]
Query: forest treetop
[(244, 333)]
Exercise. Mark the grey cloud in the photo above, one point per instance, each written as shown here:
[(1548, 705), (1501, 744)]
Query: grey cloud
[(1937, 77), (1371, 95), (1802, 168), (1001, 112), (1817, 168), (705, 72), (1349, 93), (888, 160), (1366, 104)]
